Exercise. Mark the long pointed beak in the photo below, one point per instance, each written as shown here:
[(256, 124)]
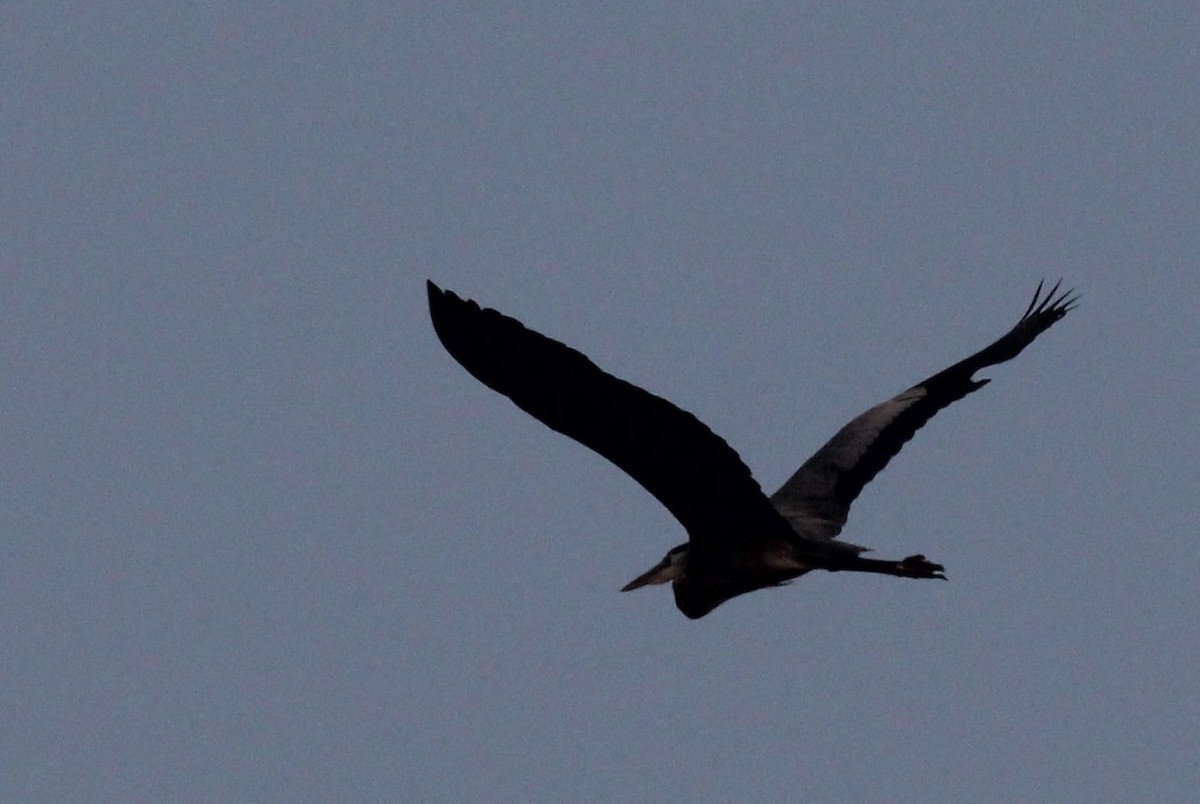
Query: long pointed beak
[(659, 573)]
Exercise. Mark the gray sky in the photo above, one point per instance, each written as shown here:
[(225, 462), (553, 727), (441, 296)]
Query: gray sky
[(263, 540)]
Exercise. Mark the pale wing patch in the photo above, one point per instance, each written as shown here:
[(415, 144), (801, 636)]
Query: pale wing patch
[(808, 500)]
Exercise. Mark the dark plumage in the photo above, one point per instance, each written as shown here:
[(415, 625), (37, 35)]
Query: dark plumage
[(739, 540)]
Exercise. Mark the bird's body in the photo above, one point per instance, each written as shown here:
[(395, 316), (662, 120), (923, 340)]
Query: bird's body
[(739, 540)]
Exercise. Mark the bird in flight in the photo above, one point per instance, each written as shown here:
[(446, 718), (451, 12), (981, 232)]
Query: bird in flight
[(739, 539)]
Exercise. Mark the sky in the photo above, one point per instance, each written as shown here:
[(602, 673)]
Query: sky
[(262, 539)]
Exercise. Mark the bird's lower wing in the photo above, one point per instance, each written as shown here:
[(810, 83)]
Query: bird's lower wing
[(817, 498)]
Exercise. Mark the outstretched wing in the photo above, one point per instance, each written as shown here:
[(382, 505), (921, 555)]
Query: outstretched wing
[(688, 468), (817, 497)]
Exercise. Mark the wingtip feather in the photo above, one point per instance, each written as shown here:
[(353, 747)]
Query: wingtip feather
[(1052, 303), (1033, 302)]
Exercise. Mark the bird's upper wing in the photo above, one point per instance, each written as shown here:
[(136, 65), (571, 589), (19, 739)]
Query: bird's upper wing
[(688, 468), (817, 497)]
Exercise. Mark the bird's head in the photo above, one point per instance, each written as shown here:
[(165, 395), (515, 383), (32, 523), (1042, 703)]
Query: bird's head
[(670, 568)]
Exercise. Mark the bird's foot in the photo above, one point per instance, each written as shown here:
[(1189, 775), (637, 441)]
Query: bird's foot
[(919, 567)]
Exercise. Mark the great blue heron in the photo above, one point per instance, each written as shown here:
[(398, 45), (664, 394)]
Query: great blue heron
[(739, 540)]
